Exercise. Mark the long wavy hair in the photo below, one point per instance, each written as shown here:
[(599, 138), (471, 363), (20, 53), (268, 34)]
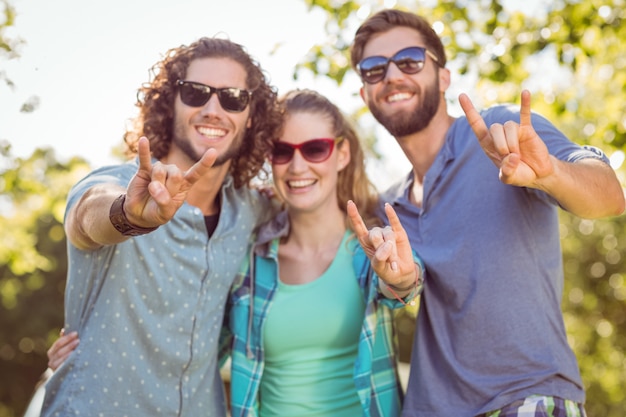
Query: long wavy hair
[(352, 182), (388, 19), (155, 100)]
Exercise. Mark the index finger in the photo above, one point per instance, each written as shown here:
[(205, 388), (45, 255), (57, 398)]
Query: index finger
[(201, 167), (524, 112), (357, 221), (474, 118), (394, 220), (143, 151)]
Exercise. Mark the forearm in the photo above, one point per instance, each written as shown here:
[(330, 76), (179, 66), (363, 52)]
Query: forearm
[(87, 225), (588, 188)]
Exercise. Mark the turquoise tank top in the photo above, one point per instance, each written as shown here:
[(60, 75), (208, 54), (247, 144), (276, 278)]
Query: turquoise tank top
[(311, 338)]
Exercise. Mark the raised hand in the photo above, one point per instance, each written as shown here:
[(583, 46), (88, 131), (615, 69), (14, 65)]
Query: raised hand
[(516, 149), (157, 191), (388, 248)]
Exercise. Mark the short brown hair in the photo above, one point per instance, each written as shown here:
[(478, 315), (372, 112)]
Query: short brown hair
[(155, 100), (388, 19)]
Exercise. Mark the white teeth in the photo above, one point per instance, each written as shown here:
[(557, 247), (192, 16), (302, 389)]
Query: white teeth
[(211, 132), (398, 97), (300, 183)]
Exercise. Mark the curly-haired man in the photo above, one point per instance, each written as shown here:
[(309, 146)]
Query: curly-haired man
[(154, 243)]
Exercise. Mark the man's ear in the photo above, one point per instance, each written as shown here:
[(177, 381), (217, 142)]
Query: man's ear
[(444, 79), (362, 94)]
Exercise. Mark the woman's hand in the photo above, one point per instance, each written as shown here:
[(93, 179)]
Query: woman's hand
[(388, 248), (61, 349)]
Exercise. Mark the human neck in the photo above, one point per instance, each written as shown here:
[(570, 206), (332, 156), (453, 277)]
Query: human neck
[(204, 193), (421, 148), (311, 246), (316, 231)]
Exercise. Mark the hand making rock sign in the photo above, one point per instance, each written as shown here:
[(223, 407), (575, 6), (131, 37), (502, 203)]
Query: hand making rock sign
[(587, 188), (515, 148), (388, 249), (158, 190)]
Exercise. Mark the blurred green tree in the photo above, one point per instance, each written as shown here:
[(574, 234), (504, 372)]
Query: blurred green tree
[(32, 252), (33, 264), (571, 55)]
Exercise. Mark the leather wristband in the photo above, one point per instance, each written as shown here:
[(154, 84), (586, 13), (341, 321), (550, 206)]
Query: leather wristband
[(120, 221)]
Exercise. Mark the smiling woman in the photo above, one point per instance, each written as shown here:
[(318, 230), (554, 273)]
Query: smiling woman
[(306, 308)]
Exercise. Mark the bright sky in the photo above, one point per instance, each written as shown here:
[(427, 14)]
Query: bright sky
[(84, 60)]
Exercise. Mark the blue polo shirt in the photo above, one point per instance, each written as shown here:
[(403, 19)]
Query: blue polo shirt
[(149, 312), (490, 328)]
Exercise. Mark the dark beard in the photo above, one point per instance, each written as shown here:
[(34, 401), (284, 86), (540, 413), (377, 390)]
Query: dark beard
[(185, 147), (404, 124)]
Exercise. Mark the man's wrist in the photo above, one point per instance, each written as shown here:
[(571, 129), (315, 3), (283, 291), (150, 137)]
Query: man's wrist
[(118, 219)]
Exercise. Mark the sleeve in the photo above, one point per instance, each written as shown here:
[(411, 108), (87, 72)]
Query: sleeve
[(558, 144), (114, 174)]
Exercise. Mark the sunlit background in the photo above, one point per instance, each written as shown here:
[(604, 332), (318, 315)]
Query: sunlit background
[(72, 89), (82, 62)]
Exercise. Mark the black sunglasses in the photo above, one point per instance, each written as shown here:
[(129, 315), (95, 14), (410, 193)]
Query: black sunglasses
[(408, 60), (197, 95), (314, 150)]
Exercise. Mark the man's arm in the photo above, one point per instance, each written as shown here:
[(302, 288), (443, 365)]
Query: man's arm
[(153, 196), (588, 188), (87, 225)]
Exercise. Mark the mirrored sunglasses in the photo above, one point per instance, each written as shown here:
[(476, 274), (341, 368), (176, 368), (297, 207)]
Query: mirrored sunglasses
[(314, 150), (408, 60), (197, 95)]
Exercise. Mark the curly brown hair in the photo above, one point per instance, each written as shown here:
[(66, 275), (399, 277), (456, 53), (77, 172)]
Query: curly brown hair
[(155, 100), (388, 19), (352, 182)]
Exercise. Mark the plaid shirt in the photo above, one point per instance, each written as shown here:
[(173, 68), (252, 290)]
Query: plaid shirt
[(375, 371)]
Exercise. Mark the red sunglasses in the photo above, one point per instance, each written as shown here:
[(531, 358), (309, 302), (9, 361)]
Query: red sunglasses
[(314, 150)]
